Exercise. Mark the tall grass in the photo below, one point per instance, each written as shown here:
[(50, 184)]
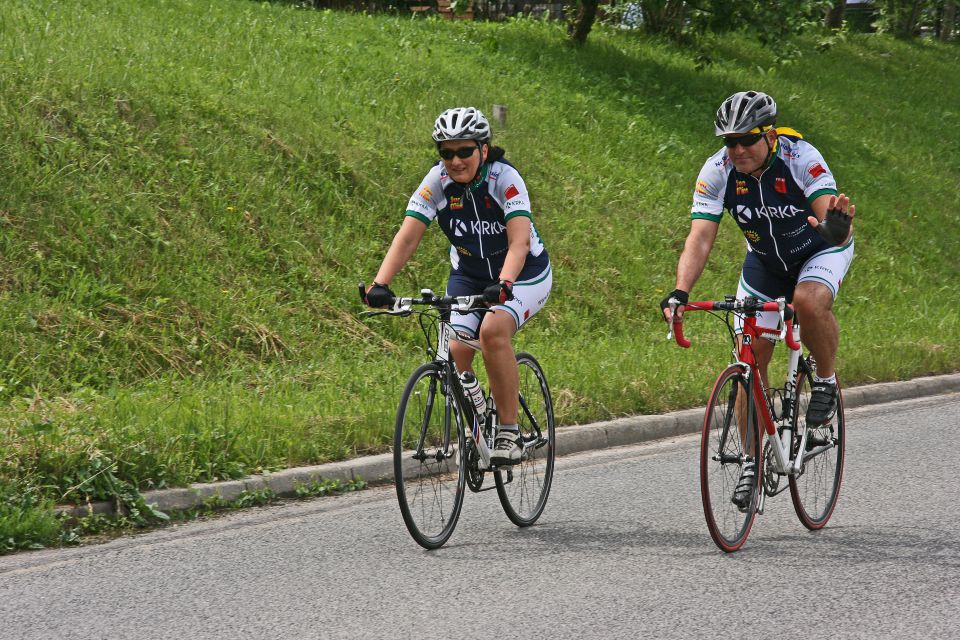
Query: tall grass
[(190, 191)]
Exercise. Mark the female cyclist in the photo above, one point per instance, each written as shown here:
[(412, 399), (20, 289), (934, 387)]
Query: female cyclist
[(481, 204)]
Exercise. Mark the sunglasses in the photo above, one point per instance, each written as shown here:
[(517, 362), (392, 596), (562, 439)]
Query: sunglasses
[(743, 141), (462, 153)]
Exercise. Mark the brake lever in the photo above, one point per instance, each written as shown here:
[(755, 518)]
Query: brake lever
[(673, 311), (782, 305)]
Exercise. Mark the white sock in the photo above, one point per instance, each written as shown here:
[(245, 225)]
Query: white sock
[(510, 427), (832, 379)]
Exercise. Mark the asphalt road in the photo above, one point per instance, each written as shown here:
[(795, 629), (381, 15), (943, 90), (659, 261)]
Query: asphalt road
[(622, 551)]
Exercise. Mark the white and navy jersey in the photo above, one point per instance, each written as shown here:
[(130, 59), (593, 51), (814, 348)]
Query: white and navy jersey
[(474, 218), (771, 210)]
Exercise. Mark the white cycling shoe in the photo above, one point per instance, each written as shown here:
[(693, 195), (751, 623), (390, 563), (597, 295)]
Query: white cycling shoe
[(507, 448)]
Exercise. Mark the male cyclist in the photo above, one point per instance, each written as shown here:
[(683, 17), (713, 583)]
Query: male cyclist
[(481, 204), (779, 190)]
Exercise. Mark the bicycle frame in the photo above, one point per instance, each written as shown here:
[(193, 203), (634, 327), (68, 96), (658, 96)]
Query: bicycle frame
[(489, 418), (744, 356), (734, 495), (446, 333), (442, 356)]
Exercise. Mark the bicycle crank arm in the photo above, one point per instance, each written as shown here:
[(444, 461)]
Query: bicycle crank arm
[(797, 465), (438, 455), (728, 458), (817, 451)]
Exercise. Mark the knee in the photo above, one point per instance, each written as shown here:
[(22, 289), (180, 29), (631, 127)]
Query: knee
[(458, 349), (812, 302), (493, 338)]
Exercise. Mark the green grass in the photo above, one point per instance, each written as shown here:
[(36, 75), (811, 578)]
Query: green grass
[(190, 191)]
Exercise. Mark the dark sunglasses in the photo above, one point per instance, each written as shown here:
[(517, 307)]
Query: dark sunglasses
[(743, 141), (462, 153)]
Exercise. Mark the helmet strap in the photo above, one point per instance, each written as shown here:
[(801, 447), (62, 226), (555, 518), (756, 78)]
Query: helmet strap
[(769, 159), (482, 160)]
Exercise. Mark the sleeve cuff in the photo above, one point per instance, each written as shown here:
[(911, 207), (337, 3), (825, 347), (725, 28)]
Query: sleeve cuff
[(419, 216), (820, 192), (712, 217)]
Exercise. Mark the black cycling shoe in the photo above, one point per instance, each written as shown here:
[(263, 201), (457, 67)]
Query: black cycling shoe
[(823, 403), (745, 486)]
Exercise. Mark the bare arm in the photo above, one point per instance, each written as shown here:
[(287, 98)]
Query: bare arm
[(696, 250), (518, 246), (403, 246)]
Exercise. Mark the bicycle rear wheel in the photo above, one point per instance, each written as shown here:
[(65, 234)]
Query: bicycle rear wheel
[(523, 488), (428, 458), (730, 439), (816, 489)]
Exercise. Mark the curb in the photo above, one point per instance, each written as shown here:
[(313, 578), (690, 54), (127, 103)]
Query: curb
[(570, 439)]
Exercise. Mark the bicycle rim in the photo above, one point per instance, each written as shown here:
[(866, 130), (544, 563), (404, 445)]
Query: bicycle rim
[(428, 460), (722, 453), (523, 488), (817, 487)]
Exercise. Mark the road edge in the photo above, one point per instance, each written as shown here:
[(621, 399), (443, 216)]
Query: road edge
[(570, 439)]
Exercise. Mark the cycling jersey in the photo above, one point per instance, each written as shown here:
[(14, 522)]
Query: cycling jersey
[(474, 218), (771, 210)]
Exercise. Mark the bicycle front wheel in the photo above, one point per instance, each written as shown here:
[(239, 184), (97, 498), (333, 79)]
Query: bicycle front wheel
[(730, 440), (523, 488), (428, 458), (816, 488)]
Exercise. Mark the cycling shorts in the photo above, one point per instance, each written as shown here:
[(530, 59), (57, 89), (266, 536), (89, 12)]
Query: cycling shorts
[(828, 267), (529, 296)]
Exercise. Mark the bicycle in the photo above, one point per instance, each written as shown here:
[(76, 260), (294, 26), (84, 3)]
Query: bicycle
[(810, 457), (442, 443)]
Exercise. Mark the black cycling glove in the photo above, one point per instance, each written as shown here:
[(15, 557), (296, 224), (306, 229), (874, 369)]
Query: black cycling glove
[(679, 295), (498, 292), (835, 227), (379, 295)]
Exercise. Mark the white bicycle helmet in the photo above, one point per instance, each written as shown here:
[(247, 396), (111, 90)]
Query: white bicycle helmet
[(461, 123), (744, 111)]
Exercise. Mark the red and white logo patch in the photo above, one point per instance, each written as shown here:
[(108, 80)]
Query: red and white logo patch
[(780, 185), (511, 192), (817, 170)]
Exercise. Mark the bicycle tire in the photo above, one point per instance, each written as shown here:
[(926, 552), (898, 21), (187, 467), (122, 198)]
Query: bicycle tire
[(816, 489), (428, 457), (722, 454), (523, 488)]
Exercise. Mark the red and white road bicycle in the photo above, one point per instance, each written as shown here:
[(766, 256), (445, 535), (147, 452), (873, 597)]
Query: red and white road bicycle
[(742, 409)]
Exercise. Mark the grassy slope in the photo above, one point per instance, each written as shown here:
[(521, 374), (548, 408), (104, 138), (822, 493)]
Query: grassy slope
[(191, 190)]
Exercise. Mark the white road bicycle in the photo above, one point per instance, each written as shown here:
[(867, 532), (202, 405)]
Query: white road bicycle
[(441, 442)]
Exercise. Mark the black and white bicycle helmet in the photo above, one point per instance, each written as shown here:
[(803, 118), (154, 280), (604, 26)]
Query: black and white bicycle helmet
[(744, 111), (462, 123)]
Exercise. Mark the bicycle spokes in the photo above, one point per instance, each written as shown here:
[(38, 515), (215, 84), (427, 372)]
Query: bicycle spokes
[(816, 488), (523, 488), (729, 444), (429, 466)]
